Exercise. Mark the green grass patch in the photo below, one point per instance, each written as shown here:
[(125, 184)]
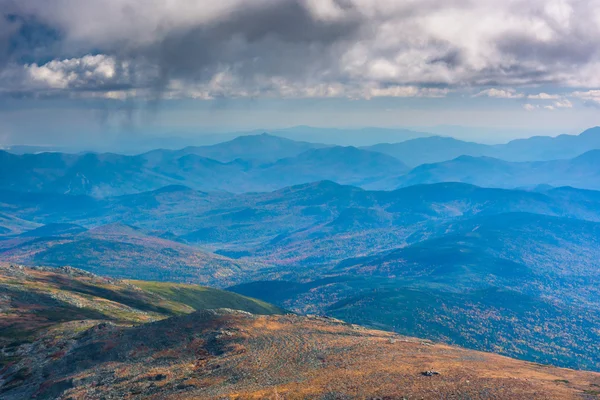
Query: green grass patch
[(203, 298)]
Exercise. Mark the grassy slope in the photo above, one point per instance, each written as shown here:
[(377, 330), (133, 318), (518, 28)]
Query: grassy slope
[(34, 299), (201, 298)]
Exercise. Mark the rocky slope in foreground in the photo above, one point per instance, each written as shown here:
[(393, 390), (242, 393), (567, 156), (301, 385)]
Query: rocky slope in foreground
[(233, 354)]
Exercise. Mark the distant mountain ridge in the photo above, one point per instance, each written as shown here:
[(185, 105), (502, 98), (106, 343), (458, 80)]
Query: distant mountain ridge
[(260, 163), (263, 147), (543, 148), (266, 162), (401, 143), (437, 149), (348, 137), (582, 172), (430, 150)]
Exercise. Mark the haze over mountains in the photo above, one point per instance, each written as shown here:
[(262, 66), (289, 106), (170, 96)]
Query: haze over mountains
[(112, 174), (265, 162), (135, 144), (582, 172), (462, 247), (261, 147), (436, 149)]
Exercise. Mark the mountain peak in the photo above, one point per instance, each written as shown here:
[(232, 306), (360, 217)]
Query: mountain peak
[(592, 156), (173, 189), (260, 136), (594, 131)]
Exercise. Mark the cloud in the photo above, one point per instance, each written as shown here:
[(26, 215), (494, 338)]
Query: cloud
[(510, 93), (590, 97), (102, 76), (501, 93), (543, 96), (563, 103), (88, 76), (297, 48), (86, 71)]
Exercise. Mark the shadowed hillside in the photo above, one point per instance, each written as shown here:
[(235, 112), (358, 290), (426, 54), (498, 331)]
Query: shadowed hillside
[(125, 252)]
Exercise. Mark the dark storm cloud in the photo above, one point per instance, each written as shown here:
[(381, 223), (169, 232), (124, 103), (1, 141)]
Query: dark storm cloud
[(267, 39), (452, 58)]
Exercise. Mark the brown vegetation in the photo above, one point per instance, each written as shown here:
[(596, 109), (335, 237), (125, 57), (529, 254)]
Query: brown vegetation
[(236, 355)]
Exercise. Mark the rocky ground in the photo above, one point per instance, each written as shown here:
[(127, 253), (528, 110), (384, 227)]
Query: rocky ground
[(224, 354)]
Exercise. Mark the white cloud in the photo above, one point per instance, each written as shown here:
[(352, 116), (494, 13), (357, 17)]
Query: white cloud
[(564, 103), (501, 93), (405, 91), (591, 96), (543, 96), (62, 74), (97, 76), (227, 85)]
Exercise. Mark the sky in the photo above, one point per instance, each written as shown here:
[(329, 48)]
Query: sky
[(74, 71)]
